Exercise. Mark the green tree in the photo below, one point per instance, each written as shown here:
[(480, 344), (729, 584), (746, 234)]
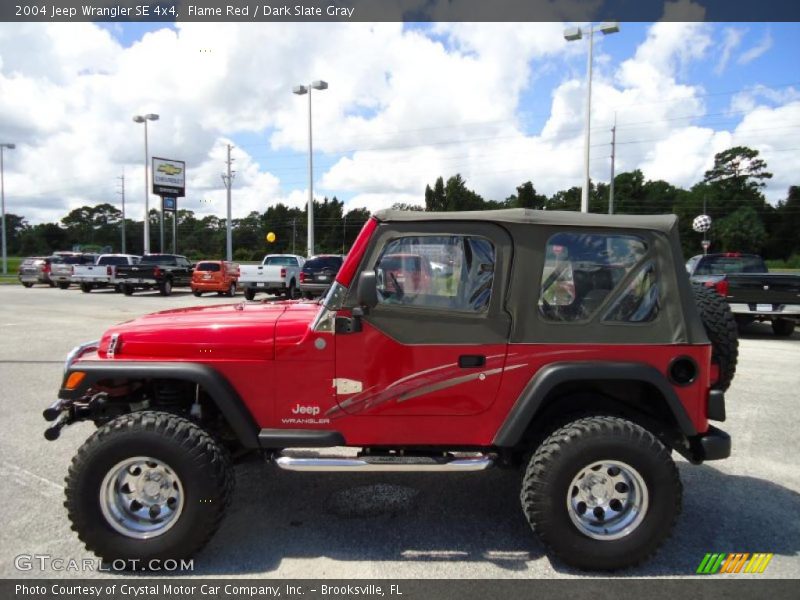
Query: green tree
[(741, 231), (526, 197), (738, 167)]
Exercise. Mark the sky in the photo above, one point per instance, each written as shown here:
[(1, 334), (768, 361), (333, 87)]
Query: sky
[(499, 103)]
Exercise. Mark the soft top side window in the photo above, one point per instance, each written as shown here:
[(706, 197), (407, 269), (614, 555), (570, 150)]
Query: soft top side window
[(447, 272), (582, 269)]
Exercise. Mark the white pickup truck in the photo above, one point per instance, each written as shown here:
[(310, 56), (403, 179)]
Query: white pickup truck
[(102, 273), (277, 274)]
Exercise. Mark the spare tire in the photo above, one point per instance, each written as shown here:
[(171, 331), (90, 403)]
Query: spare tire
[(720, 327)]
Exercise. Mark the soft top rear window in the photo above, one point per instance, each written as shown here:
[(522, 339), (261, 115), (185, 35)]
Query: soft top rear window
[(323, 262), (207, 266)]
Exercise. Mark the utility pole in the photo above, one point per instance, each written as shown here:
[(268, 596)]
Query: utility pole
[(121, 192), (228, 181), (344, 231), (294, 231), (613, 158)]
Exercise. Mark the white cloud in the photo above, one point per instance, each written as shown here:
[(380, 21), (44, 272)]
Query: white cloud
[(733, 37), (760, 48)]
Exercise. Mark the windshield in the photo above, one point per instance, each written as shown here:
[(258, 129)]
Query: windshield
[(282, 261)]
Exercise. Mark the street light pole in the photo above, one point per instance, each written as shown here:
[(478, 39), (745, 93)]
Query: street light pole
[(300, 90), (144, 119), (572, 34), (3, 202)]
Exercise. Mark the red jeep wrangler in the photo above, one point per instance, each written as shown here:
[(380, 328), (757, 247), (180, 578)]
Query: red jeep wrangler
[(570, 346)]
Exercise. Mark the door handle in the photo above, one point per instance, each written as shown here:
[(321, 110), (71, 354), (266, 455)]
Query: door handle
[(471, 361)]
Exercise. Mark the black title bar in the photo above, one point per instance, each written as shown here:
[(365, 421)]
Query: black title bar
[(399, 10)]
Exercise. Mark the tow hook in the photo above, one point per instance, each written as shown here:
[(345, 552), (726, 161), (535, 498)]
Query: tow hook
[(64, 412)]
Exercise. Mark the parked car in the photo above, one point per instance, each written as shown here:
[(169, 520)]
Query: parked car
[(585, 393), (318, 273), (103, 273), (753, 293), (61, 268), (35, 269), (277, 274), (215, 276), (155, 271)]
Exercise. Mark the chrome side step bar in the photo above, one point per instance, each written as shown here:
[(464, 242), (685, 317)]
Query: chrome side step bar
[(400, 465)]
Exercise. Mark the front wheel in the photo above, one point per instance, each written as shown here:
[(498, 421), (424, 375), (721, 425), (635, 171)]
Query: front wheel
[(197, 293), (27, 284), (783, 327), (148, 485), (249, 293), (86, 288), (602, 493), (232, 290), (62, 285), (127, 289)]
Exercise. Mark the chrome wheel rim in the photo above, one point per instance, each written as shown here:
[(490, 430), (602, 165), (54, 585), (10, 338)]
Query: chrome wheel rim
[(607, 500), (141, 497)]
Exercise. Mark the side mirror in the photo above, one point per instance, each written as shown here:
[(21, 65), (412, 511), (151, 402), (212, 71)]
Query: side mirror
[(367, 290)]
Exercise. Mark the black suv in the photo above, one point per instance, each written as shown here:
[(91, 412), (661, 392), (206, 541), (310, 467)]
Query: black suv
[(318, 273)]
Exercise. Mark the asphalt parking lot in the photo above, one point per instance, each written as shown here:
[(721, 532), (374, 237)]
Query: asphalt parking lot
[(294, 525)]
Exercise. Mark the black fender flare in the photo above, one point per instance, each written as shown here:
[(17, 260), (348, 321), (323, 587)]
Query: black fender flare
[(213, 382), (547, 378)]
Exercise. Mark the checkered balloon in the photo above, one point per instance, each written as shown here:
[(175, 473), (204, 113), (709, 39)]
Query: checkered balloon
[(701, 223)]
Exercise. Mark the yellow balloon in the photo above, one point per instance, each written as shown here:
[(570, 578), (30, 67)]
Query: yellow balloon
[(270, 237)]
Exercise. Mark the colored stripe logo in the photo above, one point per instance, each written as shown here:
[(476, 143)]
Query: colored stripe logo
[(736, 562)]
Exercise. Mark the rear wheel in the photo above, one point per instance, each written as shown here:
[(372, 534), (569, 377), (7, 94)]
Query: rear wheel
[(27, 284), (62, 285), (291, 291), (232, 290), (197, 293), (127, 289), (249, 293), (86, 288), (602, 493), (783, 327), (148, 485), (720, 326), (165, 288)]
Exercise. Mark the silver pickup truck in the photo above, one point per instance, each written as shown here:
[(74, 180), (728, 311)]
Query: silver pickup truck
[(103, 273), (63, 264)]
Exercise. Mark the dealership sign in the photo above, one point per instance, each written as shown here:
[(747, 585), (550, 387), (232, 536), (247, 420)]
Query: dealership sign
[(169, 177)]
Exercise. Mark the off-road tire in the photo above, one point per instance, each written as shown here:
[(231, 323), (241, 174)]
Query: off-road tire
[(783, 327), (27, 284), (165, 287), (63, 285), (127, 290), (720, 326), (86, 288), (203, 466), (249, 293), (572, 448)]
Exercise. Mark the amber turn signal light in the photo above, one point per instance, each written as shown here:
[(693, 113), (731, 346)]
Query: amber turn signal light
[(74, 380)]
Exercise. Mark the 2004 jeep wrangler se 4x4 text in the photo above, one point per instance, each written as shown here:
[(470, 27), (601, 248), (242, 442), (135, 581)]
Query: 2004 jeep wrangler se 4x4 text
[(572, 347)]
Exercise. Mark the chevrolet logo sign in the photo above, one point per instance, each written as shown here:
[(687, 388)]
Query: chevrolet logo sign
[(766, 287), (169, 169)]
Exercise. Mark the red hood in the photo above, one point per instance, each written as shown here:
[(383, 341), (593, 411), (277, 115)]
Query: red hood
[(243, 331)]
